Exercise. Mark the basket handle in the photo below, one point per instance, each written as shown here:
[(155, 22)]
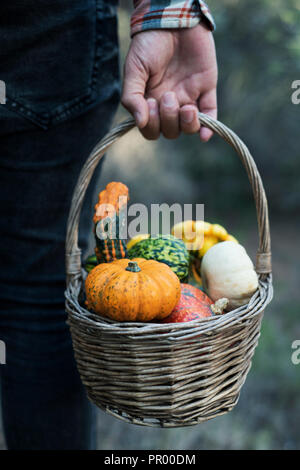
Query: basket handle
[(73, 253)]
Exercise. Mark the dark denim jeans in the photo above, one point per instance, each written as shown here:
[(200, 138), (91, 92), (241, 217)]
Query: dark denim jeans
[(59, 60)]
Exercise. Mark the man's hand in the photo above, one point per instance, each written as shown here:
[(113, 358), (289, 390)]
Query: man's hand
[(168, 76)]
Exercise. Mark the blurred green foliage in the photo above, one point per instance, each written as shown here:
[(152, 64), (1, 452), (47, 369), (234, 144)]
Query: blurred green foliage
[(258, 50)]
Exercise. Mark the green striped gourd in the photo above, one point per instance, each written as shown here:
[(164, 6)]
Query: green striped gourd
[(166, 249)]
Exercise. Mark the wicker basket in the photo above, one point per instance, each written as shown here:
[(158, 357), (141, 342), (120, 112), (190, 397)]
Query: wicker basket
[(166, 375)]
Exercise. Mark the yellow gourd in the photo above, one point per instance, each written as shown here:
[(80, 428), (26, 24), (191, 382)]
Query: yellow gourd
[(191, 232), (200, 236)]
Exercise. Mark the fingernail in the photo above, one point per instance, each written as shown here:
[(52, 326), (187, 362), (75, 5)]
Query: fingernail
[(138, 118), (187, 115), (152, 106), (169, 99)]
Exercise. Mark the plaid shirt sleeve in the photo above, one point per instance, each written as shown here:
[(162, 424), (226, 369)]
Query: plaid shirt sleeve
[(161, 14)]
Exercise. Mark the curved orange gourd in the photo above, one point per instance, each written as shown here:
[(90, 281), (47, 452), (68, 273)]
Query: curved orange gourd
[(193, 304)]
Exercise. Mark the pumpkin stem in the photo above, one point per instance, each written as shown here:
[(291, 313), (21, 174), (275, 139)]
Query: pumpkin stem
[(219, 306), (133, 267)]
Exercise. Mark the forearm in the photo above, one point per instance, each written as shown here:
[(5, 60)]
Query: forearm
[(169, 14)]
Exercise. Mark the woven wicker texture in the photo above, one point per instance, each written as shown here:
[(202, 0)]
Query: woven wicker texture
[(166, 375)]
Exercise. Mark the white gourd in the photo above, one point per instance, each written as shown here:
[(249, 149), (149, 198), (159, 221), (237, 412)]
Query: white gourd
[(227, 271)]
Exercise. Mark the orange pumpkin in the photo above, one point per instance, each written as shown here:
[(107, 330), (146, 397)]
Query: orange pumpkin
[(132, 290)]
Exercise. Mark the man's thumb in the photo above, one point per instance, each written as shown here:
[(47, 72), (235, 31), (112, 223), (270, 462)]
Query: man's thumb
[(134, 84)]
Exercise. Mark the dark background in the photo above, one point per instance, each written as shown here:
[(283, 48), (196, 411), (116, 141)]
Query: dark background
[(258, 49)]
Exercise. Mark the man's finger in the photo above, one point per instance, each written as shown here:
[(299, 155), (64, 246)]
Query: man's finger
[(189, 122), (152, 130), (169, 115), (134, 84), (208, 105)]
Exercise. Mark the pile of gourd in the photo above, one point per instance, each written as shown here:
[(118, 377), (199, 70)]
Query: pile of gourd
[(196, 271)]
